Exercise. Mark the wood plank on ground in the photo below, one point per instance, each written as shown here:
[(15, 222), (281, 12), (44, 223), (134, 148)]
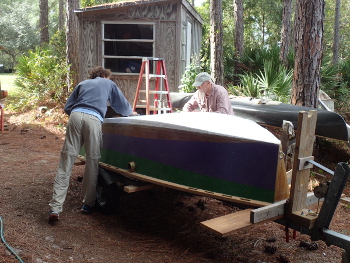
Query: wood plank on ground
[(137, 188), (345, 199), (225, 225)]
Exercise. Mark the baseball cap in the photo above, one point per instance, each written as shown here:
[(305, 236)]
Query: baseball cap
[(201, 77)]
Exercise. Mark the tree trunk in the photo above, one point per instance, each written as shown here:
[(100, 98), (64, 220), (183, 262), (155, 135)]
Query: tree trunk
[(336, 33), (216, 35), (44, 21), (239, 27), (309, 20), (72, 43), (60, 15), (286, 31), (263, 29)]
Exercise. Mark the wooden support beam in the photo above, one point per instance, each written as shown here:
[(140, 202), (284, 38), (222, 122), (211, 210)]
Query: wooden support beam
[(277, 210), (227, 224), (137, 188), (305, 138), (304, 218), (270, 212)]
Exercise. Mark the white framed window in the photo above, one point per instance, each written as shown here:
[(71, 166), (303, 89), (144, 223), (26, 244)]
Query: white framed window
[(183, 49), (186, 43), (124, 44)]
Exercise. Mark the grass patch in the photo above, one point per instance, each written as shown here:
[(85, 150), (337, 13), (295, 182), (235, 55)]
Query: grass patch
[(7, 82)]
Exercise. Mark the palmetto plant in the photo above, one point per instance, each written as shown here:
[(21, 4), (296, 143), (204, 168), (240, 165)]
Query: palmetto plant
[(265, 76), (275, 81), (249, 87)]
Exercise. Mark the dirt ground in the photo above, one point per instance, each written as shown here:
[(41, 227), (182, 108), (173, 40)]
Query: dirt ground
[(152, 226)]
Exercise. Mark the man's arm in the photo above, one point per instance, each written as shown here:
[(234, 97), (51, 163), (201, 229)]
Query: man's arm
[(192, 104), (223, 104), (119, 103), (71, 101)]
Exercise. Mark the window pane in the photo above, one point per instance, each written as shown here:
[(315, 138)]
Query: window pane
[(113, 48), (123, 65), (124, 42), (128, 31)]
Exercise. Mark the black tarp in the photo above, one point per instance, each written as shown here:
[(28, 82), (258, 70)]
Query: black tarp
[(272, 113)]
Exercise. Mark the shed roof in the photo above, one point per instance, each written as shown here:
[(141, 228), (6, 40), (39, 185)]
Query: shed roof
[(122, 4)]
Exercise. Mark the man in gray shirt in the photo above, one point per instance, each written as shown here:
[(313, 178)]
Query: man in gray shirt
[(86, 107)]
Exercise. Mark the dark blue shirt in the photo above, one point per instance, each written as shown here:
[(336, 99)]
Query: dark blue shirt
[(94, 95)]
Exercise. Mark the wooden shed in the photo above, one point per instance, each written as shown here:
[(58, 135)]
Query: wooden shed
[(118, 35)]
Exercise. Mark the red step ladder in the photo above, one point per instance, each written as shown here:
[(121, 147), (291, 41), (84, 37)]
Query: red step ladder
[(157, 103)]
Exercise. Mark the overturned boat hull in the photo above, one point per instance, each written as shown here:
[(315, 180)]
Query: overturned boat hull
[(209, 151)]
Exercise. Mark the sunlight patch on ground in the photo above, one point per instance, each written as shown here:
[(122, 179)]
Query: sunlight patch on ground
[(7, 82)]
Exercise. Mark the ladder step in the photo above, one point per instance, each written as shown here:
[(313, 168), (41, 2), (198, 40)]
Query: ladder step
[(154, 76), (153, 59), (152, 108), (158, 89), (155, 91), (144, 101)]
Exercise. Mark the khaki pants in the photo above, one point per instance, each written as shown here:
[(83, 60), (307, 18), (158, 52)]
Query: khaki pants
[(82, 130)]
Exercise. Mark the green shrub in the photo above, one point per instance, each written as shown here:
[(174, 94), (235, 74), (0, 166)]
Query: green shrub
[(335, 80), (43, 73), (189, 76)]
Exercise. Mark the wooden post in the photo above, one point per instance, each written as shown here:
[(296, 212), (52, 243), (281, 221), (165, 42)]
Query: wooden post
[(305, 138)]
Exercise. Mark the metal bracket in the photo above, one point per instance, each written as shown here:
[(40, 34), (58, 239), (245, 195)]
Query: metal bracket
[(308, 163), (305, 163), (321, 166)]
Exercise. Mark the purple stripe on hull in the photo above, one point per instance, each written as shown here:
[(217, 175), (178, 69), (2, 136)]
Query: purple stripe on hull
[(246, 163)]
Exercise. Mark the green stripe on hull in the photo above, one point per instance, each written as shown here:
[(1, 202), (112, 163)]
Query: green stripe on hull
[(186, 178)]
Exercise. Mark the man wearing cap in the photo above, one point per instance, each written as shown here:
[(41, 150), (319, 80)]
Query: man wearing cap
[(209, 97)]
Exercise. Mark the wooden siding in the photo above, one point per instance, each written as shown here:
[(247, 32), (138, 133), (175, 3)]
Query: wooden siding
[(90, 35), (127, 85), (159, 11), (167, 50)]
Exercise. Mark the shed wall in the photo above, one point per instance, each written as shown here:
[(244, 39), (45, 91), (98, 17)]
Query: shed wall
[(169, 17)]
